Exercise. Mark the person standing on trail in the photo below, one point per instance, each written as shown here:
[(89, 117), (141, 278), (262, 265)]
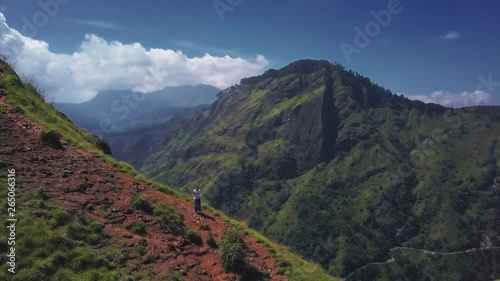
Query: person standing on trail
[(197, 200)]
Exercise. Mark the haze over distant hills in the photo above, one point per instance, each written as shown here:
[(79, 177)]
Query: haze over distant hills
[(120, 110)]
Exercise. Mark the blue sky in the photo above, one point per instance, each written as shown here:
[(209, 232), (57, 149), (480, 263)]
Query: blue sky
[(440, 51)]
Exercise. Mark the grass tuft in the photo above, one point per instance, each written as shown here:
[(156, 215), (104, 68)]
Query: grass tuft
[(141, 203), (194, 237), (137, 227), (51, 138)]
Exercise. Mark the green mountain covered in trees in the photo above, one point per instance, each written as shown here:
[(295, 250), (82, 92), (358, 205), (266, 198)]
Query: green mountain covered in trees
[(340, 169)]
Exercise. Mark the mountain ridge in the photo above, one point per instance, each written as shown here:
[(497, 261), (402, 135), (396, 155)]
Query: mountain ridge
[(316, 145)]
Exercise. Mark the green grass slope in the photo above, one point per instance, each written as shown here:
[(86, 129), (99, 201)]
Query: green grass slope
[(54, 244)]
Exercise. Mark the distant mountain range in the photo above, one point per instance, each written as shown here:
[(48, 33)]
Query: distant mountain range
[(121, 110)]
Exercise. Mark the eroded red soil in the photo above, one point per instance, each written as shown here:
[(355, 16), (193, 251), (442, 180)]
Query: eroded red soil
[(80, 181)]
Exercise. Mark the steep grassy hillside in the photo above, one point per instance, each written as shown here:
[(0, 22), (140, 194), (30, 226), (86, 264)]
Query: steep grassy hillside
[(84, 216), (340, 169)]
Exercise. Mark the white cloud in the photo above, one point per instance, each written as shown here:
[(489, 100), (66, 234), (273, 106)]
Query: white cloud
[(197, 47), (101, 65), (455, 100), (95, 23), (452, 35)]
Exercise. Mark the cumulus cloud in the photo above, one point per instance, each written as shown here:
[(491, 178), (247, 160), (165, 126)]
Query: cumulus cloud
[(102, 65), (452, 35), (455, 100)]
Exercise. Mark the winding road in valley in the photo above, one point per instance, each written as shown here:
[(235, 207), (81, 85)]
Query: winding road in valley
[(391, 260)]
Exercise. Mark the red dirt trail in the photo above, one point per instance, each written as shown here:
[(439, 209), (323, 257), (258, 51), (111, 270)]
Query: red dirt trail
[(62, 172)]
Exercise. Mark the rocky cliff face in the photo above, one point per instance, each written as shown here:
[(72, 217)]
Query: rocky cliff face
[(340, 169)]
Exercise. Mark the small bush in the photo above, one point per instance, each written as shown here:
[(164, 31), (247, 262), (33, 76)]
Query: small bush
[(51, 138), (205, 227), (231, 235), (138, 227), (251, 273), (140, 249), (211, 241), (141, 203), (96, 227), (233, 249), (194, 237), (41, 194), (233, 255), (284, 264), (60, 218), (80, 218), (99, 143)]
